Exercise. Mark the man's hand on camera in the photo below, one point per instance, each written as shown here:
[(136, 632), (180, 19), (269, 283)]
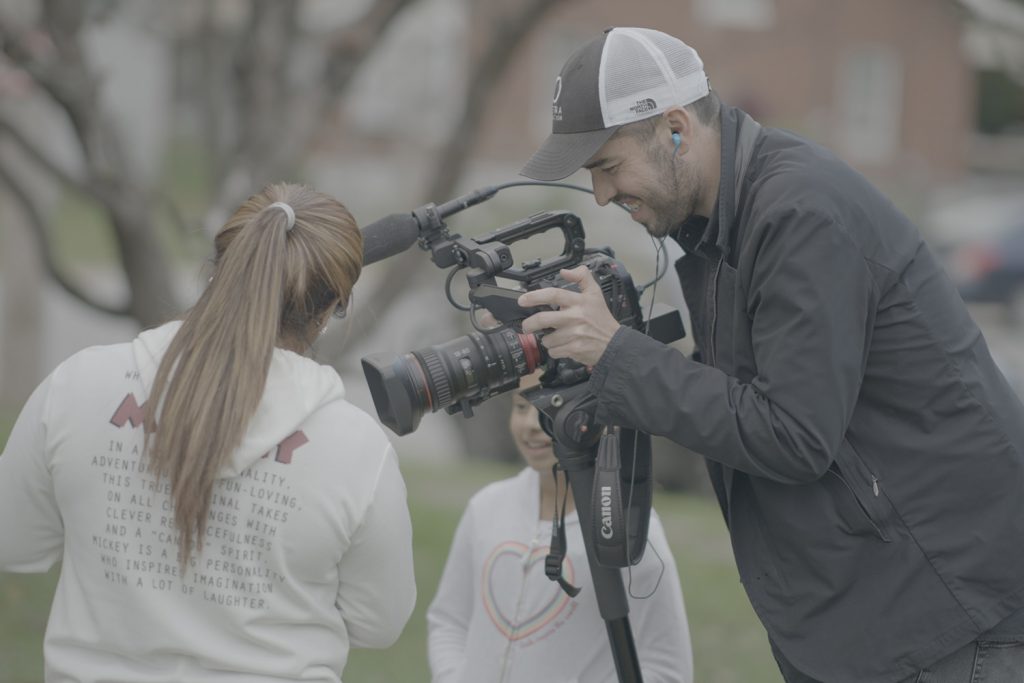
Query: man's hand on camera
[(486, 319), (582, 324)]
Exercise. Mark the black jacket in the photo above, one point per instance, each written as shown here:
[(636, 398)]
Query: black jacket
[(867, 453)]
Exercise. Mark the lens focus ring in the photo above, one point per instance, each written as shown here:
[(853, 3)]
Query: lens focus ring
[(438, 378)]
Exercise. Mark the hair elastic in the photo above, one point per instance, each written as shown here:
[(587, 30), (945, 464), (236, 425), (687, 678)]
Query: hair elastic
[(288, 210)]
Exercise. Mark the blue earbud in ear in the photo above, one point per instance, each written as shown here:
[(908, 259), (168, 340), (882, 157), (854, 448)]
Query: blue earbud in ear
[(677, 139)]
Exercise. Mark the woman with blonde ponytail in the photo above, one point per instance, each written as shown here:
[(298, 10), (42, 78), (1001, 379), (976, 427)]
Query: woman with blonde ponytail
[(220, 510)]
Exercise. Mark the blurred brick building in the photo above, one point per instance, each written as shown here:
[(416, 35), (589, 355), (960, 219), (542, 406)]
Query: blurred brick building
[(884, 84)]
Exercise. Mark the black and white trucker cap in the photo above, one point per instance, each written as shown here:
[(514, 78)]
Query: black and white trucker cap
[(623, 75)]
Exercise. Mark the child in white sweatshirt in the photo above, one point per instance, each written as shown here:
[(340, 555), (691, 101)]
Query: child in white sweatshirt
[(498, 618)]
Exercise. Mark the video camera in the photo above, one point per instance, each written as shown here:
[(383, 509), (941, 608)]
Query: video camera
[(607, 467), (461, 373)]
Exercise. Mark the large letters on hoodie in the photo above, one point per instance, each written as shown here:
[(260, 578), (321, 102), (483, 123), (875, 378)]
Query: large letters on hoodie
[(130, 411)]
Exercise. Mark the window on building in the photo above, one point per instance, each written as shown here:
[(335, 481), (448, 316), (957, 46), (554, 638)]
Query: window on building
[(1000, 102), (749, 15), (870, 100)]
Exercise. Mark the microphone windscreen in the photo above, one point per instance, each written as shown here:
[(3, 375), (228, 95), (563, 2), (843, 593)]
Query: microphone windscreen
[(389, 236)]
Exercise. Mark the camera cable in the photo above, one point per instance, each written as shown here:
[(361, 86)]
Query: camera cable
[(488, 192), (660, 249), (559, 545)]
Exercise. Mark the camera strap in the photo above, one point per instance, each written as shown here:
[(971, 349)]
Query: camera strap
[(623, 489), (556, 553)]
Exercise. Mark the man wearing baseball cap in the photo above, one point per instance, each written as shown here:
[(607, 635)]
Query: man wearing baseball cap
[(867, 454)]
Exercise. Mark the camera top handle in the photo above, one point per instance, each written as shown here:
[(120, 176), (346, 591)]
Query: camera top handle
[(490, 255), (572, 249)]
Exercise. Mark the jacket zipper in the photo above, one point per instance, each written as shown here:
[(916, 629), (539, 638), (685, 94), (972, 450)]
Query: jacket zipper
[(875, 490), (713, 305)]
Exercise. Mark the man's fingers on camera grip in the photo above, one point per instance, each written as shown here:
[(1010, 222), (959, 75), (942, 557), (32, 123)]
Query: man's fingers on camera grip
[(542, 321), (549, 298)]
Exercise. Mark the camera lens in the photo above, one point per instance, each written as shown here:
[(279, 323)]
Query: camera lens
[(470, 368)]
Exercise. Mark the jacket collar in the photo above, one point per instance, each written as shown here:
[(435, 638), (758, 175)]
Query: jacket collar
[(738, 138)]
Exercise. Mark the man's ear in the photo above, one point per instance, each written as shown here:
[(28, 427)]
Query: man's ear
[(679, 120)]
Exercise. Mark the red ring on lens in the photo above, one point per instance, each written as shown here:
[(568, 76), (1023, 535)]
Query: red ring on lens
[(531, 351), (415, 362)]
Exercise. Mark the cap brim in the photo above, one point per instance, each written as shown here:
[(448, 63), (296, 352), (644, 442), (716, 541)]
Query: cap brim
[(562, 154)]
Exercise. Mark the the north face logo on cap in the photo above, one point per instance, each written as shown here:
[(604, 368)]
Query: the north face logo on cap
[(644, 106)]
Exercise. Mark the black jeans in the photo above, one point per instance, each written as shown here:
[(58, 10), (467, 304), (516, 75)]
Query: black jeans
[(978, 662)]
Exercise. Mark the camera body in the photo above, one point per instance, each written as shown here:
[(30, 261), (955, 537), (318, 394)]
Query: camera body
[(461, 373), (616, 285)]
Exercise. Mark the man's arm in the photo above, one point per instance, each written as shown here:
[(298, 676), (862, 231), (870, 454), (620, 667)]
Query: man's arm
[(811, 301)]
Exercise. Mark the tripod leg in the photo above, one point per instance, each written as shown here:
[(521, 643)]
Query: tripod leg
[(608, 586), (627, 663)]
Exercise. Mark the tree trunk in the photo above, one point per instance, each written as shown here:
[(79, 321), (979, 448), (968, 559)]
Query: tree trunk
[(147, 266), (21, 281)]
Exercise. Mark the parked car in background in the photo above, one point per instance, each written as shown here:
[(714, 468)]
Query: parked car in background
[(980, 239), (992, 270), (979, 235)]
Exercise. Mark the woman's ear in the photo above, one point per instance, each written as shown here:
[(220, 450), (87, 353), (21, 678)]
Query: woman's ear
[(326, 316)]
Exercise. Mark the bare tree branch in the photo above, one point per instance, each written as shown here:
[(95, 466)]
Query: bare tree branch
[(273, 140), (62, 70), (270, 106), (41, 233), (507, 31), (262, 70), (54, 60), (33, 152), (269, 136), (350, 46)]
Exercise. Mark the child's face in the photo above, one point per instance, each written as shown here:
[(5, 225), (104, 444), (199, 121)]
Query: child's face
[(533, 444)]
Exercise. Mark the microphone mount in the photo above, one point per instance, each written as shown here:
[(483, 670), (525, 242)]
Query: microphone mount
[(445, 248)]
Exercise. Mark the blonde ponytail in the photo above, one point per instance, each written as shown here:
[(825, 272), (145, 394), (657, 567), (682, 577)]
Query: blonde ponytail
[(272, 286)]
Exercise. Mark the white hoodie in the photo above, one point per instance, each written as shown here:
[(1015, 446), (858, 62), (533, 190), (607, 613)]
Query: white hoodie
[(497, 618), (308, 544)]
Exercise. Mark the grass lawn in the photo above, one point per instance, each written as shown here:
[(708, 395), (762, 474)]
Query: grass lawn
[(729, 644)]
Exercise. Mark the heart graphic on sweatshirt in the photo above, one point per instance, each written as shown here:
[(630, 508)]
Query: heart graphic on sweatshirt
[(518, 614)]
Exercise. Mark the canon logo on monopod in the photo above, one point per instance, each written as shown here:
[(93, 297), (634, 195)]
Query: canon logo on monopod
[(606, 513)]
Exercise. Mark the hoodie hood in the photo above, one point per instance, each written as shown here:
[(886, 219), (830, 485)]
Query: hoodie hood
[(296, 388)]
